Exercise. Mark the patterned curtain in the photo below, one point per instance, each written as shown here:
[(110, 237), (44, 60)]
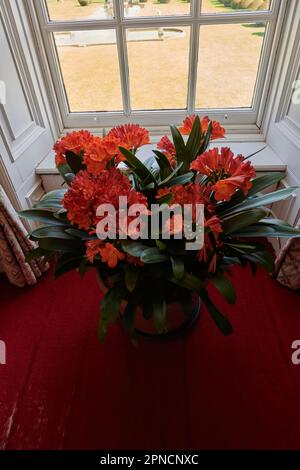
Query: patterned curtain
[(14, 245), (288, 265)]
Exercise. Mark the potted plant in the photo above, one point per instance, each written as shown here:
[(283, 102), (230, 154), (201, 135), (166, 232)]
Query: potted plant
[(152, 281)]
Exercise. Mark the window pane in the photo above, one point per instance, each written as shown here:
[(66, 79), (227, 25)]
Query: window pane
[(158, 67), (134, 8), (90, 69), (79, 9), (230, 6), (229, 57)]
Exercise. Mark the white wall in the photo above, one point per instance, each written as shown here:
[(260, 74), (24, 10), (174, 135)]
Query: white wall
[(26, 128), (283, 134)]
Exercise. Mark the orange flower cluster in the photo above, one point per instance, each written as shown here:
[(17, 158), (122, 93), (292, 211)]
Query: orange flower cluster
[(100, 152), (218, 132), (97, 151), (227, 172), (88, 191), (192, 194), (102, 183), (76, 142), (168, 148), (130, 136), (207, 254), (108, 252)]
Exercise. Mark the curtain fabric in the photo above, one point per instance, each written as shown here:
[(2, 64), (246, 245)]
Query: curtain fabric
[(14, 245), (288, 265)]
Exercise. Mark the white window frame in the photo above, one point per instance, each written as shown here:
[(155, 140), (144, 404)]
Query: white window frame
[(242, 121)]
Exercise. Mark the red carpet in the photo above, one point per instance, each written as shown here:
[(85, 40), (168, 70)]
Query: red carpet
[(61, 389)]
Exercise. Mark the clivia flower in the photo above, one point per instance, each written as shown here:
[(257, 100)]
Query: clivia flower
[(76, 142), (130, 136), (99, 153), (108, 252), (226, 172), (168, 149), (111, 255), (218, 132)]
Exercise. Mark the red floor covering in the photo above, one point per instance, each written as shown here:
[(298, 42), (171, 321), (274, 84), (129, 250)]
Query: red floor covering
[(61, 389)]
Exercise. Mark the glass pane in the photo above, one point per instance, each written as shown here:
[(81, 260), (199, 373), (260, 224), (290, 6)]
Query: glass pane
[(80, 9), (90, 69), (230, 6), (134, 8), (158, 67), (229, 57)]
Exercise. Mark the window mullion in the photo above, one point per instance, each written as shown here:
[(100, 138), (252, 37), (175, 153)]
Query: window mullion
[(123, 58), (193, 59)]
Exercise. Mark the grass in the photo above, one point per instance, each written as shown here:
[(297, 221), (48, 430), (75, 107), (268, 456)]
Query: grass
[(228, 62)]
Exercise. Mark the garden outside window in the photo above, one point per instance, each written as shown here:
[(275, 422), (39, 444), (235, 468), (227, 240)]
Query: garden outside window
[(155, 61)]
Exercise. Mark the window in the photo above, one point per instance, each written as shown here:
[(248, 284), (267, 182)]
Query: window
[(154, 61)]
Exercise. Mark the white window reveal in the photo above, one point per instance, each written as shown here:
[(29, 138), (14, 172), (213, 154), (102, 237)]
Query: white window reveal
[(154, 61)]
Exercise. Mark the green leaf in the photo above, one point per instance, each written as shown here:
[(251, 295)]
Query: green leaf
[(190, 282), (206, 141), (171, 175), (164, 199), (135, 163), (265, 259), (163, 163), (49, 204), (282, 224), (84, 267), (220, 320), (134, 248), (128, 317), (65, 263), (109, 309), (153, 255), (265, 181), (69, 178), (178, 267), (181, 152), (255, 153), (69, 246), (271, 231), (75, 162), (183, 179), (159, 311), (80, 234), (225, 287), (50, 231), (65, 172), (264, 200), (258, 184), (194, 140), (242, 247), (55, 194), (40, 215), (237, 222), (131, 277), (36, 253)]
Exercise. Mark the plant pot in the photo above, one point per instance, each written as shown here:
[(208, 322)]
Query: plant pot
[(179, 321)]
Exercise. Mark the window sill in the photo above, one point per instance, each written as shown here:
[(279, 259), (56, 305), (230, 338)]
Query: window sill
[(266, 160)]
